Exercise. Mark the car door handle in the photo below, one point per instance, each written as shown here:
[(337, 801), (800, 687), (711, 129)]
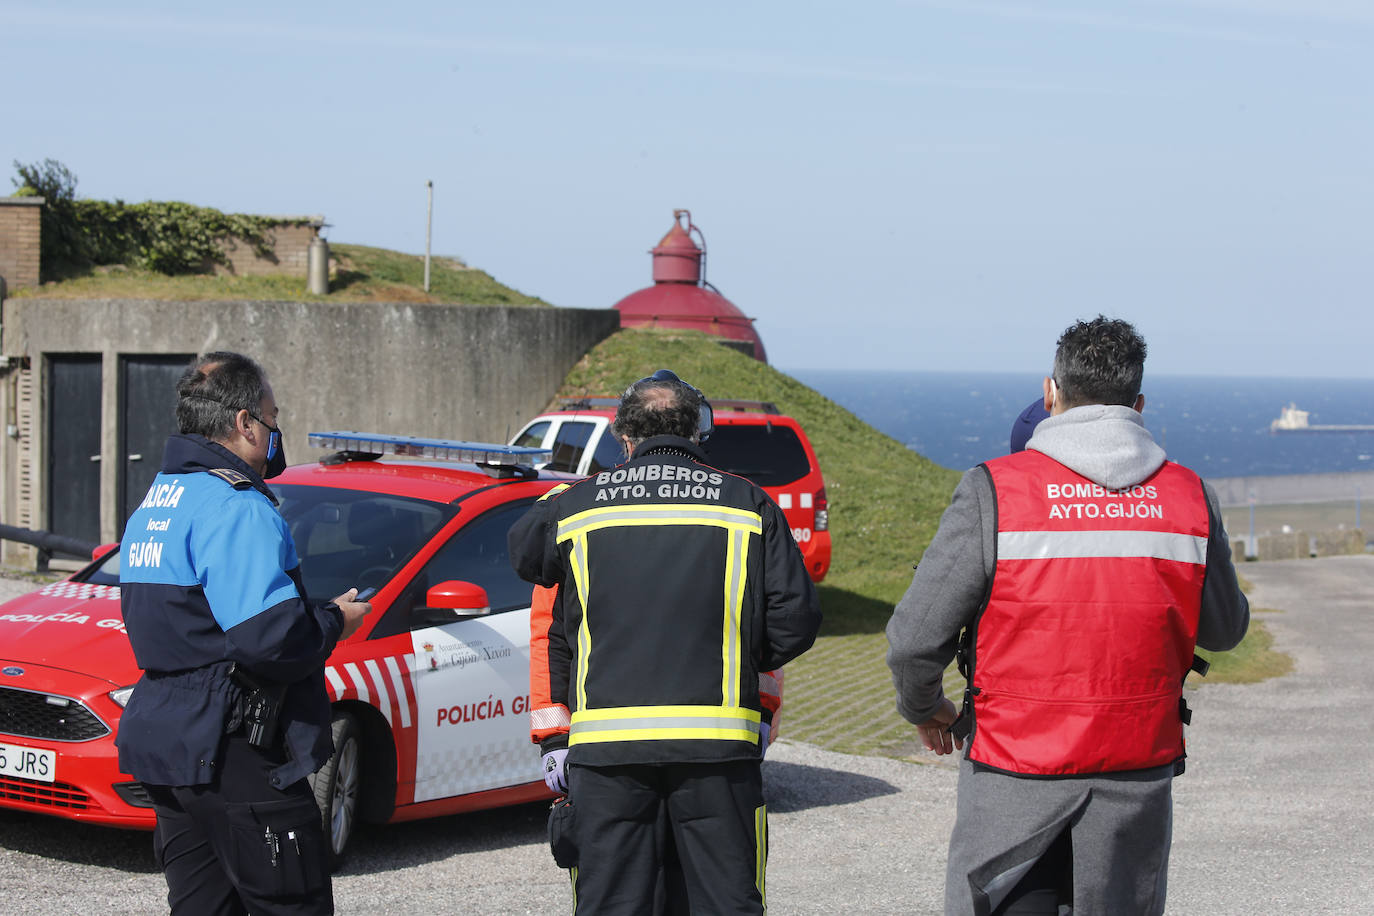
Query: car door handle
[(135, 457), (95, 457)]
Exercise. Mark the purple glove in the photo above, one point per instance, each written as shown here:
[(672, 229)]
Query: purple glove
[(764, 729), (556, 771)]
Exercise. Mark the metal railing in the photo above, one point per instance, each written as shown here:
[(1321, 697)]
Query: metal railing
[(48, 543)]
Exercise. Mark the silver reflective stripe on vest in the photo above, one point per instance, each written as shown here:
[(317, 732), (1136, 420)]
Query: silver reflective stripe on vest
[(1062, 545)]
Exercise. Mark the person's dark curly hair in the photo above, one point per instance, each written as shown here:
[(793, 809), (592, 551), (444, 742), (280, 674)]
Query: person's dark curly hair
[(214, 388), (1099, 362), (657, 407)]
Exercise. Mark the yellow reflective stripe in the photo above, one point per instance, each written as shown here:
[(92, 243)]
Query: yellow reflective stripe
[(736, 558), (584, 630), (611, 713), (664, 723), (664, 734), (761, 852), (666, 514), (554, 491), (739, 523)]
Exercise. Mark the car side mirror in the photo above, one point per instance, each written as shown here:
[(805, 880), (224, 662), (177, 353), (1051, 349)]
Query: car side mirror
[(451, 601)]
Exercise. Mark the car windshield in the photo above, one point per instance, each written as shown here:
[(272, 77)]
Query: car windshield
[(349, 538), (768, 454), (343, 537)]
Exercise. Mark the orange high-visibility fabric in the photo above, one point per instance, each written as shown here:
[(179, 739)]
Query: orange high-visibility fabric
[(547, 718)]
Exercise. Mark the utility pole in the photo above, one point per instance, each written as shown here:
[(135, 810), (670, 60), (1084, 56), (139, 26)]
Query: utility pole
[(429, 222)]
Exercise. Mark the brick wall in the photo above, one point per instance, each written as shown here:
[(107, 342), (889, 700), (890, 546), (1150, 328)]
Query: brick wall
[(291, 245), (19, 245), (19, 240)]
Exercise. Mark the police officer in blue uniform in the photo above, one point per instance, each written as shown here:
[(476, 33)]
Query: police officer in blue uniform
[(231, 714)]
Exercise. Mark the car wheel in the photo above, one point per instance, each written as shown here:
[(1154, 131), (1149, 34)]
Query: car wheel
[(336, 786)]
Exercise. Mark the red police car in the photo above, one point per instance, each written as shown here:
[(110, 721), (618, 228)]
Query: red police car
[(751, 439), (429, 696)]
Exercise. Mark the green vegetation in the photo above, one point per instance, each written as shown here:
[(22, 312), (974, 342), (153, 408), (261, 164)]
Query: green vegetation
[(94, 249), (363, 275), (885, 503), (165, 237), (379, 275), (1252, 661)]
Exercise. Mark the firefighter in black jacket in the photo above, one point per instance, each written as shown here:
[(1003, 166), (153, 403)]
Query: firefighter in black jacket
[(679, 583)]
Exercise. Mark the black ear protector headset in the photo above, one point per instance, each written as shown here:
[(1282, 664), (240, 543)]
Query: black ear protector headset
[(706, 423)]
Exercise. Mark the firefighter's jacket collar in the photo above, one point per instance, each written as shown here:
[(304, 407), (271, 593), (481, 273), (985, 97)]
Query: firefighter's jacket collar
[(677, 443)]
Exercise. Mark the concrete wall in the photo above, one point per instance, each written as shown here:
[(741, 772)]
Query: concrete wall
[(1292, 488), (461, 372), (20, 219)]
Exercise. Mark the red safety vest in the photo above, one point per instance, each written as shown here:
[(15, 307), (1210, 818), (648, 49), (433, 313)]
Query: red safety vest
[(1079, 656)]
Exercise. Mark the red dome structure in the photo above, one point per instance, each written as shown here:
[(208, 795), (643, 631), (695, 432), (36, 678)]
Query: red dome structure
[(681, 297)]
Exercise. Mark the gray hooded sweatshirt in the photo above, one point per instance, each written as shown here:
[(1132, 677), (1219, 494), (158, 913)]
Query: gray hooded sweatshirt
[(1121, 823)]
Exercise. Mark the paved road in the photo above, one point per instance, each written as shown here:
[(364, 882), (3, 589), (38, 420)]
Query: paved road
[(1272, 817)]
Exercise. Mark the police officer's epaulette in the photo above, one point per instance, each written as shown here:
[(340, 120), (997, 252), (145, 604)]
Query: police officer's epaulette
[(232, 477)]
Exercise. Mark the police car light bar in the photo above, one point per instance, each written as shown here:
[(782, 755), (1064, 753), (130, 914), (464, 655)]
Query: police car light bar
[(483, 453)]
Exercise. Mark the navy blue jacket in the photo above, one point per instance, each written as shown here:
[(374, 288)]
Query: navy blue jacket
[(209, 577)]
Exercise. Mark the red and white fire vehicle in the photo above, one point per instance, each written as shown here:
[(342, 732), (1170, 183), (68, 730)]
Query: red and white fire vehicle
[(751, 439)]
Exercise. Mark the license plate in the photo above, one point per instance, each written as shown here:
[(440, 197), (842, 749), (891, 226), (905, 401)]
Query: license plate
[(28, 762)]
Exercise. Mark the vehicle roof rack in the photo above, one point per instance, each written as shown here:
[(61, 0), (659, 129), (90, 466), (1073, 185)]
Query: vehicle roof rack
[(744, 406), (496, 460), (588, 403), (727, 404)]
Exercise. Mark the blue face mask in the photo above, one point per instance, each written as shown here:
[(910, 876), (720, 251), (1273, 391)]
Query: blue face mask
[(276, 455)]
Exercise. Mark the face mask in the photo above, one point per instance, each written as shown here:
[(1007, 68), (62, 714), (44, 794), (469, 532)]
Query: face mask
[(276, 456), (276, 453)]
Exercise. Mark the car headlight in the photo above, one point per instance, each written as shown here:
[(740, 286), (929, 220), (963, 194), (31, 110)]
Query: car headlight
[(121, 696)]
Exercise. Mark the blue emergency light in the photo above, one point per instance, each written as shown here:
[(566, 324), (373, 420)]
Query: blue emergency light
[(486, 454)]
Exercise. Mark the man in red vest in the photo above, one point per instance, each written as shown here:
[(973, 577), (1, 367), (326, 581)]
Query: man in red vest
[(1073, 579)]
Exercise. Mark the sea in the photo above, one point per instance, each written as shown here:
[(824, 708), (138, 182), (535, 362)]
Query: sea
[(1218, 426)]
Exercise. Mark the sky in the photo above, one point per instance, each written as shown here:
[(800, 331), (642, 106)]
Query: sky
[(898, 184)]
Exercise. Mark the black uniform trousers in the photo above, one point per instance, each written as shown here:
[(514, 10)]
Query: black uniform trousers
[(238, 845), (717, 819)]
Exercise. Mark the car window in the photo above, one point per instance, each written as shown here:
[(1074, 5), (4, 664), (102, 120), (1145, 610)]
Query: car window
[(106, 573), (534, 436), (569, 444), (344, 538), (476, 553), (768, 454), (349, 538), (608, 454)]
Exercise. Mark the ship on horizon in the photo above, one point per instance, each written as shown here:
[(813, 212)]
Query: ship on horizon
[(1293, 420)]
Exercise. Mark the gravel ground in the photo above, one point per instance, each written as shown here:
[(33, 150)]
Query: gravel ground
[(1272, 815)]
